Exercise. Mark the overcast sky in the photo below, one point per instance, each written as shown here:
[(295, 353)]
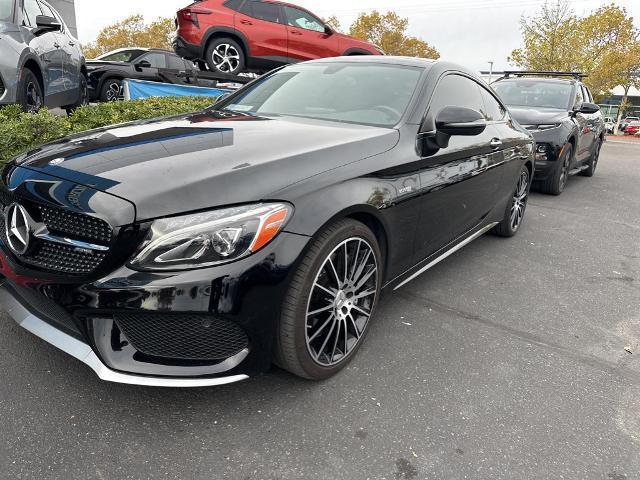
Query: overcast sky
[(470, 32)]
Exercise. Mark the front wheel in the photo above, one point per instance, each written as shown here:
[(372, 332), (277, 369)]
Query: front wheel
[(554, 185), (30, 95), (111, 90), (328, 307), (514, 213)]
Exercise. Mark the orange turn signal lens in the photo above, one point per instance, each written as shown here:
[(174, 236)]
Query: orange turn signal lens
[(270, 225)]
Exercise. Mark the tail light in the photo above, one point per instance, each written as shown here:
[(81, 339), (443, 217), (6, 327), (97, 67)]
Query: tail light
[(190, 14)]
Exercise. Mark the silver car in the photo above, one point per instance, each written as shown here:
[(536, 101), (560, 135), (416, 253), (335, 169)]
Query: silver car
[(41, 63)]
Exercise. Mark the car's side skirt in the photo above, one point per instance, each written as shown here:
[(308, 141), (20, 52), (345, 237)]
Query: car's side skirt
[(448, 252)]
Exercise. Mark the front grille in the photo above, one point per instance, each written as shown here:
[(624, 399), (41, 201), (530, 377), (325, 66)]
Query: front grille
[(182, 336), (74, 224), (62, 258), (59, 258)]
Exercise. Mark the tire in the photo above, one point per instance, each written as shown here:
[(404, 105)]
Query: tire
[(30, 96), (554, 185), (317, 352), (593, 161), (83, 96), (111, 90), (225, 55), (516, 207)]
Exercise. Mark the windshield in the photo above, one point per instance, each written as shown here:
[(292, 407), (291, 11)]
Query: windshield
[(6, 10), (534, 93), (122, 56), (363, 93)]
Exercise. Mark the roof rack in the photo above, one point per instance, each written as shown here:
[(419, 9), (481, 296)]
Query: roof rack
[(534, 73)]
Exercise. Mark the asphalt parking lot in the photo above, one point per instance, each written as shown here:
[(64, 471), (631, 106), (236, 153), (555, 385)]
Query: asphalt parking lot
[(505, 361)]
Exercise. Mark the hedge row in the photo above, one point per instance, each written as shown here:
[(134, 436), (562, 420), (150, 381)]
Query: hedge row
[(20, 132)]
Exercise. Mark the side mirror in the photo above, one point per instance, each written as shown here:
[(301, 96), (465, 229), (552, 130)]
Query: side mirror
[(328, 30), (45, 24), (143, 64), (460, 121), (588, 108)]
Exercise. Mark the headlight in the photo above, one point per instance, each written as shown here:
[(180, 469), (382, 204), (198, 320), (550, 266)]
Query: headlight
[(211, 238)]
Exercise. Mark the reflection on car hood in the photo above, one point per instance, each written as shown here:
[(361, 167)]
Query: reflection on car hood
[(105, 63), (538, 116), (172, 165)]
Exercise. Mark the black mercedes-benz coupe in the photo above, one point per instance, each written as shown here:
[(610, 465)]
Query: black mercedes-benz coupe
[(195, 250)]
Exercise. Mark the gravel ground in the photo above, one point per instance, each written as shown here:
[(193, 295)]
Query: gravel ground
[(506, 361)]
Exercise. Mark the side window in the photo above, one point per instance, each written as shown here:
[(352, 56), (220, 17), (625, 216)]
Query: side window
[(493, 110), (157, 60), (456, 91), (31, 11), (301, 19), (234, 4), (269, 12), (175, 62)]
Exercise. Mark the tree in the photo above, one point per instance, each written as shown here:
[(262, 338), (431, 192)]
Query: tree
[(388, 31), (132, 32), (603, 44)]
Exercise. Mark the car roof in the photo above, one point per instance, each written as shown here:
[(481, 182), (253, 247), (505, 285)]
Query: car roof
[(142, 49)]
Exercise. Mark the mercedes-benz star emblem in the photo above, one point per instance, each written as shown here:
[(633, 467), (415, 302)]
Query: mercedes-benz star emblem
[(17, 228)]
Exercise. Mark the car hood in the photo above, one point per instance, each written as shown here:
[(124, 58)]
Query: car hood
[(197, 161), (538, 116)]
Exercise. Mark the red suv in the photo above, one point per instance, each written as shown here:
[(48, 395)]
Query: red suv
[(232, 36)]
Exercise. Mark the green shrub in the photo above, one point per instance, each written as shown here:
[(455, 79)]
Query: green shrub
[(20, 132)]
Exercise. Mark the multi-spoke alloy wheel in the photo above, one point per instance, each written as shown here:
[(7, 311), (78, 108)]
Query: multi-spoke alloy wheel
[(341, 301), (519, 203), (226, 58), (330, 301)]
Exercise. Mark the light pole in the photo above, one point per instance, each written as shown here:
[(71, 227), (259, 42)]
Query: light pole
[(490, 71)]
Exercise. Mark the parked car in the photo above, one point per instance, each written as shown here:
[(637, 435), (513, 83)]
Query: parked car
[(609, 124), (231, 36), (567, 125), (632, 127), (41, 63), (107, 72), (193, 250), (627, 121)]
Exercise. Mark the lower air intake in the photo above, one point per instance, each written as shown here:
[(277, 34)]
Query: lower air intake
[(182, 336)]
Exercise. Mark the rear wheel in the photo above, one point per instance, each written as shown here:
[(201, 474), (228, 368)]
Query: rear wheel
[(30, 95), (554, 185), (111, 90), (329, 304), (514, 213), (83, 96), (225, 55), (593, 161)]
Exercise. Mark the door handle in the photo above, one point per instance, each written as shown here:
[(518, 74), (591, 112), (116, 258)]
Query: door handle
[(57, 45), (246, 22), (495, 143), (295, 32)]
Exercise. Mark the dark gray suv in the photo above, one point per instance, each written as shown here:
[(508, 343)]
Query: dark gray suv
[(41, 63)]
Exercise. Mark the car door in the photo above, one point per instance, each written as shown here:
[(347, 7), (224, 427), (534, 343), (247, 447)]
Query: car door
[(263, 24), (47, 47), (307, 36), (68, 51), (585, 137), (459, 183), (146, 67)]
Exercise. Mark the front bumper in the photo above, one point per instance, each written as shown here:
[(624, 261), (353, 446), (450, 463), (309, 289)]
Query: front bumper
[(81, 319)]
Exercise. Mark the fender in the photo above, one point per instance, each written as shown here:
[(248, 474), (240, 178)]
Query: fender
[(244, 41), (30, 55)]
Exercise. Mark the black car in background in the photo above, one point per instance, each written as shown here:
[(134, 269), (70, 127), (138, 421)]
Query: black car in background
[(197, 249), (107, 72), (558, 109)]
